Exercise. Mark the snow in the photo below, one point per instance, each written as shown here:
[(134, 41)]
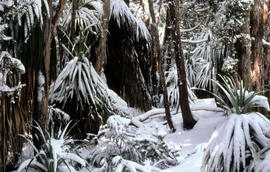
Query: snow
[(41, 81), (207, 136), (193, 141), (124, 17)]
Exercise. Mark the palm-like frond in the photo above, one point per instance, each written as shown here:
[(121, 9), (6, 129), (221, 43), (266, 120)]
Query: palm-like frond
[(55, 154), (88, 15), (26, 13), (125, 19), (240, 99), (173, 90), (79, 81), (237, 143)]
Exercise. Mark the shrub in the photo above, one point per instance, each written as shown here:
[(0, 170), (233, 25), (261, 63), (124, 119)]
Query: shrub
[(236, 143), (240, 100), (55, 154), (120, 139)]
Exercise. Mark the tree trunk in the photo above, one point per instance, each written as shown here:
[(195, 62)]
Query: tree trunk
[(266, 55), (157, 54), (42, 79), (174, 22), (101, 49), (243, 48), (73, 18), (257, 30)]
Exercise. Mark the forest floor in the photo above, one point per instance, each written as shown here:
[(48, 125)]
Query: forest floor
[(193, 141)]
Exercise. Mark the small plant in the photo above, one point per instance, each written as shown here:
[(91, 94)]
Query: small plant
[(237, 143), (119, 138), (240, 99), (54, 155)]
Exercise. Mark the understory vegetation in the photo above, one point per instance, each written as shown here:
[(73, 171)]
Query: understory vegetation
[(110, 85)]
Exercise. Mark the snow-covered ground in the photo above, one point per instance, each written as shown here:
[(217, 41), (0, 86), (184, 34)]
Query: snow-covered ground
[(192, 142), (209, 117)]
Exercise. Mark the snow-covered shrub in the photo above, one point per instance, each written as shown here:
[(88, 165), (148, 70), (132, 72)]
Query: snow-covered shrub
[(121, 13), (237, 143), (262, 162), (80, 92), (124, 165), (240, 100), (119, 138), (88, 16), (173, 90), (57, 115), (25, 14), (55, 154)]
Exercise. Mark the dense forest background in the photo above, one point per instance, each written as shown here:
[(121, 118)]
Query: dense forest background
[(72, 59)]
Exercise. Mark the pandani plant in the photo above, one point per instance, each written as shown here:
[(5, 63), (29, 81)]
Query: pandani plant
[(237, 143), (55, 154), (79, 90)]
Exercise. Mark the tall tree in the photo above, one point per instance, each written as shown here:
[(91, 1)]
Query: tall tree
[(157, 54), (101, 49), (42, 85), (257, 32), (173, 22), (243, 48)]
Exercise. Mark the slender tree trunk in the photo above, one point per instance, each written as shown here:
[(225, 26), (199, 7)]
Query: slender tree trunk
[(42, 79), (188, 120), (257, 30), (243, 47), (73, 18), (101, 50), (157, 54)]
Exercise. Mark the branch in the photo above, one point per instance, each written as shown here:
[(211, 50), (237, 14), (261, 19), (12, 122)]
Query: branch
[(266, 43), (193, 41), (58, 14)]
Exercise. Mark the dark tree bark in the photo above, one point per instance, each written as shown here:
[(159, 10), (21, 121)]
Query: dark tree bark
[(101, 49), (157, 55), (73, 18), (41, 90), (174, 23), (243, 48), (266, 55), (257, 30), (124, 67)]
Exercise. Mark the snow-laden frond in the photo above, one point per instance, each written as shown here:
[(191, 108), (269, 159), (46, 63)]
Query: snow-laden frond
[(173, 90), (200, 62), (122, 165), (3, 37), (55, 153), (240, 100), (88, 16), (236, 143), (126, 20), (262, 163), (9, 65), (120, 138), (79, 81), (26, 13), (5, 4)]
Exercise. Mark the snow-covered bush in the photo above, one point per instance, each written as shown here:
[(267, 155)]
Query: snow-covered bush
[(55, 154), (119, 138), (173, 90), (80, 92), (124, 165), (121, 13), (262, 162), (240, 100), (88, 16), (237, 143)]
